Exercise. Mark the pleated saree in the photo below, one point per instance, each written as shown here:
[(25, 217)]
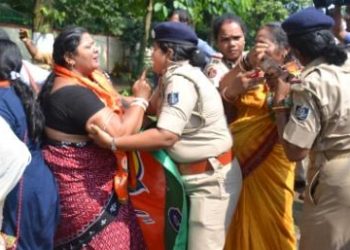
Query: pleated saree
[(263, 218)]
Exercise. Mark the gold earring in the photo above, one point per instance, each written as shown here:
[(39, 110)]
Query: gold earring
[(71, 65)]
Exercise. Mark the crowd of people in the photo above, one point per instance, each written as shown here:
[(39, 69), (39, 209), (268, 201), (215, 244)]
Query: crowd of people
[(235, 123)]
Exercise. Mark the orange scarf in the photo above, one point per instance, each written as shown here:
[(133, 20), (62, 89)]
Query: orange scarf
[(102, 87), (99, 84)]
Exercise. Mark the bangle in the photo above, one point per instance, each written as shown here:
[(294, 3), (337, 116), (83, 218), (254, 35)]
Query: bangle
[(140, 99), (113, 145), (141, 102), (225, 97)]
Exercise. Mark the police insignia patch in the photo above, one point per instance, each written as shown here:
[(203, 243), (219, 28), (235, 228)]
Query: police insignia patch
[(212, 73), (301, 112), (173, 98)]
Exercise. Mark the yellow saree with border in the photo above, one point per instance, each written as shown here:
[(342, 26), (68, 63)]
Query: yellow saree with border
[(263, 218)]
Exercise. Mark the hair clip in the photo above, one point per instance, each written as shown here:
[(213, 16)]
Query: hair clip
[(14, 75)]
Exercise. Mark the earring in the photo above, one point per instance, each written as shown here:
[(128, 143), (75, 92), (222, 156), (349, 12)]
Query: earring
[(71, 65)]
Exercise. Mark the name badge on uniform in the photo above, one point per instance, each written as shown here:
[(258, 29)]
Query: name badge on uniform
[(173, 98), (302, 112)]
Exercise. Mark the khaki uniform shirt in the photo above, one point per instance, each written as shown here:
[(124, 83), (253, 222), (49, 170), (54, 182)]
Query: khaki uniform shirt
[(191, 107), (216, 69), (320, 116)]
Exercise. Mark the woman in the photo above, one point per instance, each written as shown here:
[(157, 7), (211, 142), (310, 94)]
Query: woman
[(76, 95), (229, 34), (318, 124), (263, 219), (192, 128), (37, 201)]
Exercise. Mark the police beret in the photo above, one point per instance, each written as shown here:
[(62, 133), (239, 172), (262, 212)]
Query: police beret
[(175, 32), (307, 20)]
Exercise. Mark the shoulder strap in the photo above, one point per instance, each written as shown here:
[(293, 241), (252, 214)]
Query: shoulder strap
[(199, 114)]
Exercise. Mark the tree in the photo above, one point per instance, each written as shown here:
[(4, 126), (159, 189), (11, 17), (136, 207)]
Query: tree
[(265, 11), (132, 20)]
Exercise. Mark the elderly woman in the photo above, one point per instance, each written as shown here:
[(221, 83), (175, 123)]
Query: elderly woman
[(192, 128), (75, 96), (268, 175), (31, 208), (319, 124)]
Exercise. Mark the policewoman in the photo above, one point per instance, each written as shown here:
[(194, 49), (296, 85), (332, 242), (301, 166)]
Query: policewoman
[(229, 33), (192, 128), (319, 125)]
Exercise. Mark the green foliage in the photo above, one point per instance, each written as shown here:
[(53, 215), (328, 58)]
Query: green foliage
[(254, 12), (126, 19), (52, 16), (102, 16), (265, 11)]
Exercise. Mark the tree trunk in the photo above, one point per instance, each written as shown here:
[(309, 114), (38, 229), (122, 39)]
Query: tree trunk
[(40, 22), (144, 42)]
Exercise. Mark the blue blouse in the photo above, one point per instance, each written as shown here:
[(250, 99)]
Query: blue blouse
[(40, 204)]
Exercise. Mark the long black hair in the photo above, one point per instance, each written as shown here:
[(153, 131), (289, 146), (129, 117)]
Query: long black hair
[(10, 66), (184, 52), (65, 43), (320, 43)]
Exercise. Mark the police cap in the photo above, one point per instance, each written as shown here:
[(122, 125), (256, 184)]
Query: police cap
[(175, 32), (307, 20)]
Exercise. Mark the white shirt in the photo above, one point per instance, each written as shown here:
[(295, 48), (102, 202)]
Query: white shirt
[(39, 75), (14, 157)]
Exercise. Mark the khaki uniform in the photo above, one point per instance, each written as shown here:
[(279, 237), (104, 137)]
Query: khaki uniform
[(216, 69), (320, 121), (191, 107)]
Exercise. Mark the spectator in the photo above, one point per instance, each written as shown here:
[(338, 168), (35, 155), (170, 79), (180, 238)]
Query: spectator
[(42, 56), (36, 197), (31, 74), (340, 28)]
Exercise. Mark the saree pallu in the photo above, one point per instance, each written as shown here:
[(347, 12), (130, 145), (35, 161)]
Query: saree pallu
[(84, 174), (263, 218)]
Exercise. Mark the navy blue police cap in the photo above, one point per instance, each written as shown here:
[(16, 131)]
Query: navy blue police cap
[(175, 32), (307, 20)]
